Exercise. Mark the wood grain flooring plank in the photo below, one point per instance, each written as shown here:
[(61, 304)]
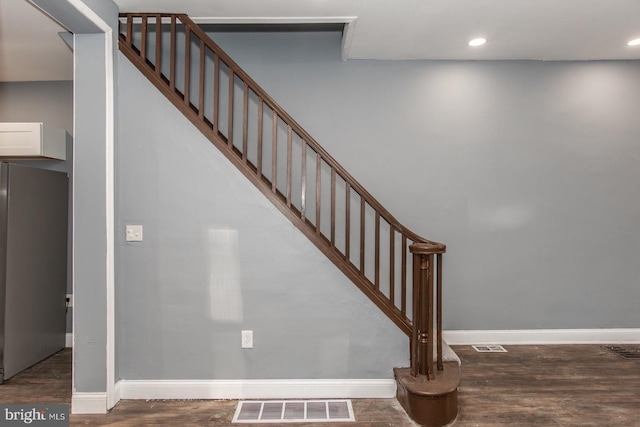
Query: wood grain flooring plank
[(559, 385)]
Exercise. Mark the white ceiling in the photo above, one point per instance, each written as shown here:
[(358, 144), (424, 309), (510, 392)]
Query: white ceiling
[(379, 29), (30, 48)]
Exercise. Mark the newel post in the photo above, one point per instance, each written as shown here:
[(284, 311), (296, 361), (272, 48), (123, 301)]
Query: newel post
[(423, 340), (428, 389)]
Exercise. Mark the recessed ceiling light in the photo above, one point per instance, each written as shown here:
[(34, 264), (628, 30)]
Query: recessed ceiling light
[(477, 42), (634, 42)]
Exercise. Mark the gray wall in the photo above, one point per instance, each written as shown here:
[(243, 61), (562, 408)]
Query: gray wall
[(525, 169), (50, 102), (218, 258), (528, 171)]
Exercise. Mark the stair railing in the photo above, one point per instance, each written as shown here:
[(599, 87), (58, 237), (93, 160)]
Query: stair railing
[(303, 181)]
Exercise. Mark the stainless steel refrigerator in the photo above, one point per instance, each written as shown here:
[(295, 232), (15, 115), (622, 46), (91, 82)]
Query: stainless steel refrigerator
[(33, 265)]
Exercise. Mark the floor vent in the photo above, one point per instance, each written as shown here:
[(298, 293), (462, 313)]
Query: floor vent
[(293, 411), (489, 348), (627, 353)]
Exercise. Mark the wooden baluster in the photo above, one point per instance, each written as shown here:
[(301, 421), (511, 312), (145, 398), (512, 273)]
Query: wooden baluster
[(129, 29), (172, 57), (274, 152), (159, 45), (260, 130), (143, 37), (216, 95), (403, 277), (392, 260), (230, 106), (187, 65), (439, 311), (303, 185), (347, 222), (289, 164), (201, 82), (362, 240), (376, 281), (318, 190), (333, 207), (245, 123)]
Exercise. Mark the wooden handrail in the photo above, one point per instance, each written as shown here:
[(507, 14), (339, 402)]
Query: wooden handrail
[(387, 286)]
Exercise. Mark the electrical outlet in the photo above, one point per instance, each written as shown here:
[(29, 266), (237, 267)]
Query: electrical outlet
[(247, 339), (134, 233)]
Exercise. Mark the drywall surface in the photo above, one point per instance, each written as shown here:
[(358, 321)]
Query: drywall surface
[(528, 171), (218, 258), (50, 102)]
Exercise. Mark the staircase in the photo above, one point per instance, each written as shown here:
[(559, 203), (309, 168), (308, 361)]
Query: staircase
[(398, 270)]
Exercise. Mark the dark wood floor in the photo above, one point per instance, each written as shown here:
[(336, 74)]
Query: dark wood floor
[(560, 385)]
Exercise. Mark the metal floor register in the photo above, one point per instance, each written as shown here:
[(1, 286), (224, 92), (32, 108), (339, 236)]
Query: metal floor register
[(294, 411)]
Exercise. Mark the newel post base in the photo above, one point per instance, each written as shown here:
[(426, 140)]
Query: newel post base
[(430, 403)]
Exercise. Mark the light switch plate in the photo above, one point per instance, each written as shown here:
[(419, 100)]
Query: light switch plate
[(134, 233), (247, 339)]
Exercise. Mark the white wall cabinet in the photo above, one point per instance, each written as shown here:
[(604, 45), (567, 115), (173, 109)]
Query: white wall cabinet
[(32, 140)]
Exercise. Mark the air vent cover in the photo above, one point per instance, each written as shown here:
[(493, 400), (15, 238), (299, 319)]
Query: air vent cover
[(627, 353), (293, 411), (489, 348)]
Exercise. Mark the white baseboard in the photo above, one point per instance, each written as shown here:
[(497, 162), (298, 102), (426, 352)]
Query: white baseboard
[(257, 389), (68, 340), (88, 403), (117, 392), (544, 336)]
